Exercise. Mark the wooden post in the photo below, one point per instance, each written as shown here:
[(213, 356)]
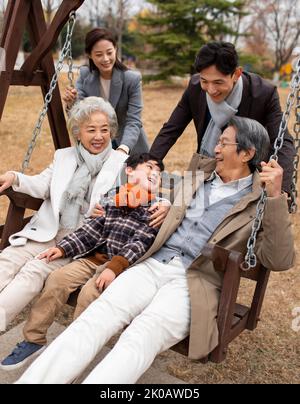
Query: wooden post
[(30, 12), (37, 70), (14, 25)]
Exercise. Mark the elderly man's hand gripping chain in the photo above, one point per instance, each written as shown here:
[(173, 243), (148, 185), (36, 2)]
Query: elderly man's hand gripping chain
[(271, 178)]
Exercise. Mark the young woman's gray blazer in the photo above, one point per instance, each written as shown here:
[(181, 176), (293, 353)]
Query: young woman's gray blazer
[(126, 98)]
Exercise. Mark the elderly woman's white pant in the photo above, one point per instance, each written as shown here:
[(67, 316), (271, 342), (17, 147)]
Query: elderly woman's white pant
[(152, 297), (22, 277)]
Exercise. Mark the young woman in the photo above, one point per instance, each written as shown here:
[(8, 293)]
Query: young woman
[(110, 79)]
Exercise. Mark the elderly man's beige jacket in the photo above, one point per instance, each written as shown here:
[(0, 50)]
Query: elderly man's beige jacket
[(274, 249)]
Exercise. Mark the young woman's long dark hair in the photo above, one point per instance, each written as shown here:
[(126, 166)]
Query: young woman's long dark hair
[(98, 34)]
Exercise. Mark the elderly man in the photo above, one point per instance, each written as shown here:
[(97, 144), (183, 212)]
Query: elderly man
[(174, 291)]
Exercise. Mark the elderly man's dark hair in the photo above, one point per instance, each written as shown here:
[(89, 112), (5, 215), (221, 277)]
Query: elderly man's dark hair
[(251, 135)]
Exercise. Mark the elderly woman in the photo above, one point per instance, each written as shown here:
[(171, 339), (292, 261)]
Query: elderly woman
[(70, 188)]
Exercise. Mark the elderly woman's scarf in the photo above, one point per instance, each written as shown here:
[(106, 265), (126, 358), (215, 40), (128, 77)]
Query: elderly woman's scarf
[(88, 166)]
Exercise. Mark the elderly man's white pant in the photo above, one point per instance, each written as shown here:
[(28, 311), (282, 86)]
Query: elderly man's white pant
[(152, 297), (22, 277)]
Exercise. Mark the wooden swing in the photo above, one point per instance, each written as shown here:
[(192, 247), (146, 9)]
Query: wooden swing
[(232, 318)]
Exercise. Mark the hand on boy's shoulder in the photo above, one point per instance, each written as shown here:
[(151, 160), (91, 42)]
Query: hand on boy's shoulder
[(159, 211)]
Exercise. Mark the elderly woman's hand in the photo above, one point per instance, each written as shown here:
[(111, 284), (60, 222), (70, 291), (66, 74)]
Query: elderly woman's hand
[(98, 211), (159, 212), (70, 96), (6, 181)]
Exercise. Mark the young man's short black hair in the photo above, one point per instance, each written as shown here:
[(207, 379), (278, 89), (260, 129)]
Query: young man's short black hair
[(135, 159), (221, 54)]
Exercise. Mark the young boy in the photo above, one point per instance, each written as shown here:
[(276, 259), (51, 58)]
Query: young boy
[(106, 245)]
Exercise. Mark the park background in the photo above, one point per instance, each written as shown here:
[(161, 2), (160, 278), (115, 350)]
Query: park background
[(160, 38)]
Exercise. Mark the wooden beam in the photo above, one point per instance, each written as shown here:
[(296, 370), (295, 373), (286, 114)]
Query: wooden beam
[(22, 200), (15, 216), (19, 79), (15, 21), (50, 37), (258, 298), (7, 19), (229, 292), (37, 27), (15, 224)]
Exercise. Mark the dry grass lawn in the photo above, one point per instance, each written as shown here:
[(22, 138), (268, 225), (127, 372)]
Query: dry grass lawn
[(270, 354)]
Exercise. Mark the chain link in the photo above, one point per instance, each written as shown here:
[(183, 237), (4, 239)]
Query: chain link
[(250, 258), (286, 115), (70, 64), (294, 192), (66, 51)]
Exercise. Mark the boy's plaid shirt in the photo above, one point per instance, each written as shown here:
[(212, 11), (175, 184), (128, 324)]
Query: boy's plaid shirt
[(123, 231)]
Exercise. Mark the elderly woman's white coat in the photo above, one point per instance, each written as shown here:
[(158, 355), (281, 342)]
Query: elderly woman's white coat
[(50, 186), (22, 274)]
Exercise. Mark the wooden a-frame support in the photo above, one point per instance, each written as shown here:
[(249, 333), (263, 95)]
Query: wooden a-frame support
[(38, 68)]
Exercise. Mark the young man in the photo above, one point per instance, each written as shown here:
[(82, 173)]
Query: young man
[(174, 291), (215, 94), (114, 241)]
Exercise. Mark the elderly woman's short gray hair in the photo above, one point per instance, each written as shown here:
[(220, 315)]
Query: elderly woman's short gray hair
[(251, 135), (82, 111)]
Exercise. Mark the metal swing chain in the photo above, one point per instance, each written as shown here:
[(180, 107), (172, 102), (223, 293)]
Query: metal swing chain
[(294, 192), (70, 60), (66, 51), (250, 258)]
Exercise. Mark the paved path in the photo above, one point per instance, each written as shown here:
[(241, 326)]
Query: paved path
[(157, 374)]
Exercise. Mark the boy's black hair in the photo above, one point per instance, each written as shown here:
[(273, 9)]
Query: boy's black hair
[(135, 159), (221, 54)]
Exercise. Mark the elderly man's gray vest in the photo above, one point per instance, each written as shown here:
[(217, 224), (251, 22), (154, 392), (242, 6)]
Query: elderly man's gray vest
[(197, 227)]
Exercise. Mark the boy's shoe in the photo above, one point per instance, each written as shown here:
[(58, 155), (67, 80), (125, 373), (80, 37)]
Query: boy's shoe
[(21, 354)]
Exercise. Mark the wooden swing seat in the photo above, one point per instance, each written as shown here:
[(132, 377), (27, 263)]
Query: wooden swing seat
[(233, 318)]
